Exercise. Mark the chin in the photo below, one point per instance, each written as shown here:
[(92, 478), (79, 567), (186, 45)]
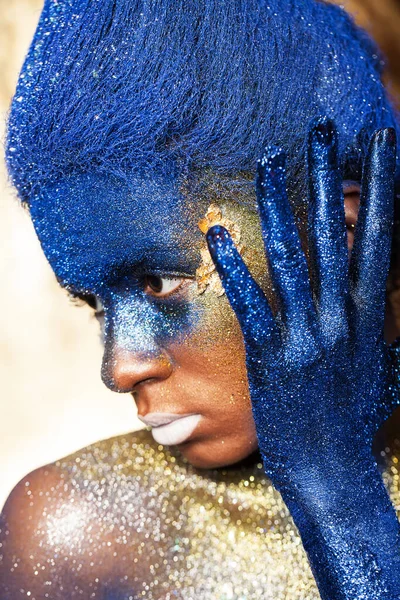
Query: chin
[(216, 453)]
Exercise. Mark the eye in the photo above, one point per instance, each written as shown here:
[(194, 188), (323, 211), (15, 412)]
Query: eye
[(162, 286), (351, 191)]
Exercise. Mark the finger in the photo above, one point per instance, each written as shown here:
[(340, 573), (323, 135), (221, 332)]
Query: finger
[(370, 257), (245, 296), (326, 228), (288, 265)]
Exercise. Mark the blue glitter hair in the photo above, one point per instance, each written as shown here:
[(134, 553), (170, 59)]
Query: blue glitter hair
[(113, 86)]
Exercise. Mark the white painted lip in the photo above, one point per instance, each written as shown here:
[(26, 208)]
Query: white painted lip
[(171, 429), (157, 419)]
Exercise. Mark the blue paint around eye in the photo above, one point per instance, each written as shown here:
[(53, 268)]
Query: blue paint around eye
[(140, 326)]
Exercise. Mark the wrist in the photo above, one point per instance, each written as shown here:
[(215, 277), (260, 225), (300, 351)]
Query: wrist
[(349, 529), (333, 485)]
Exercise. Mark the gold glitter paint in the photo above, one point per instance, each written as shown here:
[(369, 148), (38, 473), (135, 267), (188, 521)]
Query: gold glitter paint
[(128, 519), (206, 274), (241, 219)]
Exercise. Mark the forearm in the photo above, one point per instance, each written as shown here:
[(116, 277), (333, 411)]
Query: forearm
[(350, 532)]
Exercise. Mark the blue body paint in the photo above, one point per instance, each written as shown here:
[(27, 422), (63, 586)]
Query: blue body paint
[(102, 235), (96, 230)]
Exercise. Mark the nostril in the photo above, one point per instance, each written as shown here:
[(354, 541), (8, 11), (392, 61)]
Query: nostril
[(123, 371), (124, 382)]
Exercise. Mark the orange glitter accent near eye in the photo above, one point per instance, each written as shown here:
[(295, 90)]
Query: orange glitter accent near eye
[(206, 274)]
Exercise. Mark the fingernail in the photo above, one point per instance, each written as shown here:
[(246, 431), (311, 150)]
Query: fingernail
[(216, 235), (323, 132), (387, 136), (270, 169), (272, 158)]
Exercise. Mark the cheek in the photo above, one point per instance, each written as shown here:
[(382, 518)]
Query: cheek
[(213, 373), (217, 324), (214, 355)]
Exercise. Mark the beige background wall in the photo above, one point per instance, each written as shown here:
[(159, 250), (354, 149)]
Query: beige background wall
[(51, 399)]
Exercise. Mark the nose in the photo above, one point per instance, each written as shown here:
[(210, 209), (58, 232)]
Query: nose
[(123, 371)]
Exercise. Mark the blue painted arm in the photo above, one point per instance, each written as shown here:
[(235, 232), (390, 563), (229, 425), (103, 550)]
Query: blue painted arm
[(320, 375)]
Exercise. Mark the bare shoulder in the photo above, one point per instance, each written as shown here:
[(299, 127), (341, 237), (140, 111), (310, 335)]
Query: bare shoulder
[(77, 528)]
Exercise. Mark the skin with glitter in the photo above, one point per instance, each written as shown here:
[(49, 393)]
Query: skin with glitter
[(135, 128), (127, 519)]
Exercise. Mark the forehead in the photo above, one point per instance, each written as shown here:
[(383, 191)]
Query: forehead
[(96, 229)]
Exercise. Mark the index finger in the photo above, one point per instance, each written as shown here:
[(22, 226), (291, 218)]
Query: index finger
[(244, 294)]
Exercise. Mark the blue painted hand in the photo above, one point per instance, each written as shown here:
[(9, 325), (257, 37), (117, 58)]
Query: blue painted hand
[(320, 375)]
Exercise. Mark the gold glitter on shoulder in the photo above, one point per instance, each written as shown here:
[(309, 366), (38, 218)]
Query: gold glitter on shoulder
[(128, 518), (203, 531)]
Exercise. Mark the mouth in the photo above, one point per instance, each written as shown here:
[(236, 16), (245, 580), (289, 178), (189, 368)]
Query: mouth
[(171, 429)]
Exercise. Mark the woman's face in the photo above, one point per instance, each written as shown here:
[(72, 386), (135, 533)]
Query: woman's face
[(137, 254), (170, 336)]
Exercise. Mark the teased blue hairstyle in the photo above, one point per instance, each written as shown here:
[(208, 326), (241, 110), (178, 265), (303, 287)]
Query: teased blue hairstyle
[(113, 86)]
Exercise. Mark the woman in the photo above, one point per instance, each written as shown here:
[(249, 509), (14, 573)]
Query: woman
[(134, 131)]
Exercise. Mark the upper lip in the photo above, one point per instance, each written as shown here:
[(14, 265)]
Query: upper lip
[(158, 419)]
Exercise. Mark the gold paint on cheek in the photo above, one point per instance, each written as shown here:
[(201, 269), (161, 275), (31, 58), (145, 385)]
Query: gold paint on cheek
[(206, 274), (218, 318)]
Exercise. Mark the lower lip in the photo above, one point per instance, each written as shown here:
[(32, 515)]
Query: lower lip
[(177, 432)]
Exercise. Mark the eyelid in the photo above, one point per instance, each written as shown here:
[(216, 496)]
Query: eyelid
[(167, 274), (174, 291), (351, 187)]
